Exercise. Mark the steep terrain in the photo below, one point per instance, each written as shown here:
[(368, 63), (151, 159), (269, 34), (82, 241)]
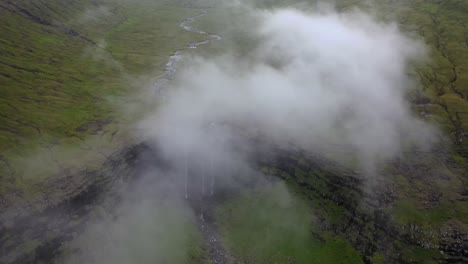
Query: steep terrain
[(65, 150), (66, 67), (415, 210)]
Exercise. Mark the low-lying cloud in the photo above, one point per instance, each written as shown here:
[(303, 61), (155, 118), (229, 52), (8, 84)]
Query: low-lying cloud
[(313, 80)]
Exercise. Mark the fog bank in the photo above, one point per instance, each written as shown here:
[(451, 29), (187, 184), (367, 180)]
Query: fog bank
[(314, 80)]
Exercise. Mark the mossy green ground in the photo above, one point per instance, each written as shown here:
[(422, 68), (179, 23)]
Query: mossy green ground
[(66, 70), (270, 225), (428, 188), (152, 232), (69, 72)]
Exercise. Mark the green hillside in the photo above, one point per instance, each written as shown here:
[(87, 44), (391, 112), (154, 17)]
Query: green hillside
[(417, 211), (71, 73), (65, 70)]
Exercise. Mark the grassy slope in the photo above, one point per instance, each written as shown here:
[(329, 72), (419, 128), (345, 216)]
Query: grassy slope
[(431, 190), (273, 226), (444, 79), (64, 66), (55, 74), (424, 197), (135, 238)]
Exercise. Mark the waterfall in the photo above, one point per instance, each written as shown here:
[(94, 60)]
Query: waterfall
[(212, 175), (203, 176), (186, 173)]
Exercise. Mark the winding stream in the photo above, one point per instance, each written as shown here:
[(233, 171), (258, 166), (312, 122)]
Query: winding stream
[(204, 211), (171, 66)]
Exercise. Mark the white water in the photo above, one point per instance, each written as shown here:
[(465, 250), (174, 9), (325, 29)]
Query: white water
[(170, 70), (171, 66), (186, 175), (212, 174)]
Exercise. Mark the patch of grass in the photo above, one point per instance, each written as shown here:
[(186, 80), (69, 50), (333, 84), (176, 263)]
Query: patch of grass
[(272, 226), (442, 25), (147, 233), (414, 254), (378, 258), (405, 212)]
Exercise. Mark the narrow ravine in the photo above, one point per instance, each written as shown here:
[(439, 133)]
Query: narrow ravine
[(204, 208), (205, 219)]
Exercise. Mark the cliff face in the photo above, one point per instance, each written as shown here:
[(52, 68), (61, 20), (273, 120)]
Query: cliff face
[(39, 230), (342, 203), (387, 220), (36, 231)]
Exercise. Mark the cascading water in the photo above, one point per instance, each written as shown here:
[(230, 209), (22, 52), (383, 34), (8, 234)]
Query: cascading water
[(162, 85), (186, 174), (212, 179), (203, 177), (171, 66)]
